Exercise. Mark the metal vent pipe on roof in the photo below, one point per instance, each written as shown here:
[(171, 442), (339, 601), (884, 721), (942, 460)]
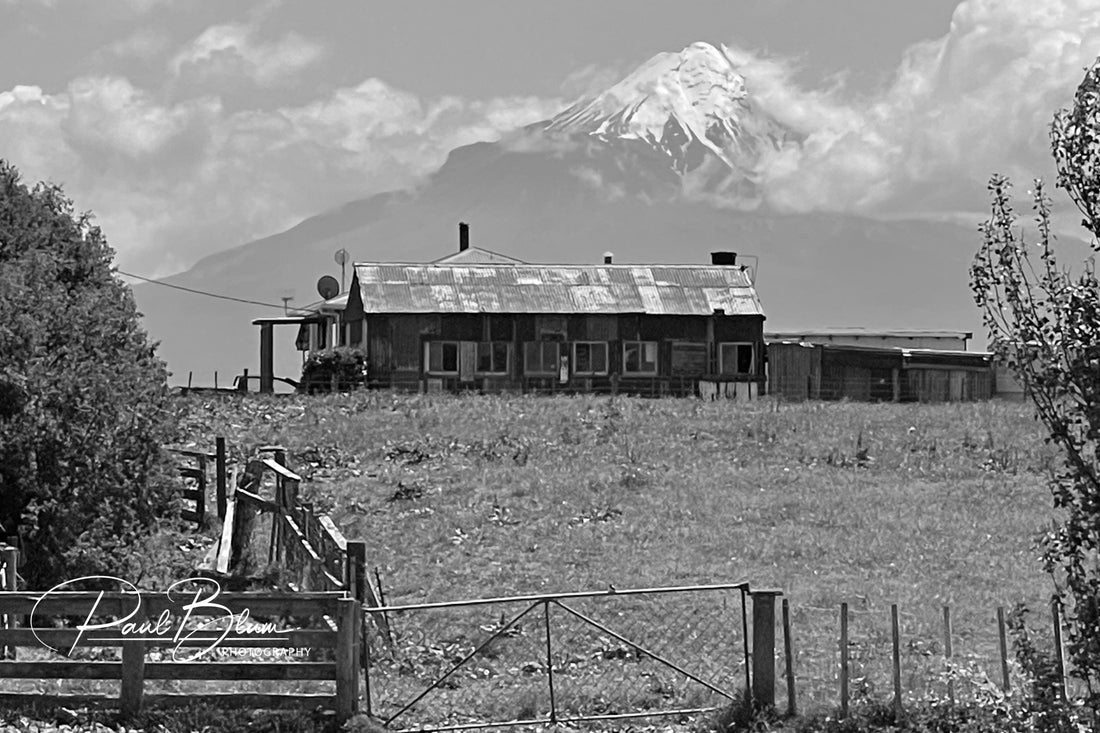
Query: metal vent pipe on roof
[(463, 236), (607, 257), (723, 258)]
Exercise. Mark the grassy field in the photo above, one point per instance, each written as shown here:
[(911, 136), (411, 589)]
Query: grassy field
[(474, 496)]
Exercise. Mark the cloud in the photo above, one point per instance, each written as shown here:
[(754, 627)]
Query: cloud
[(143, 44), (230, 52), (976, 101), (174, 180)]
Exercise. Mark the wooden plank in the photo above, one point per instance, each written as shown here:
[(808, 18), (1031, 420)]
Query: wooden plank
[(788, 658), (1059, 648), (225, 544), (65, 638), (347, 658), (169, 670), (895, 637), (1005, 683), (220, 474), (61, 670), (296, 535), (947, 652), (281, 670), (843, 660), (133, 677), (189, 516), (191, 494), (264, 701), (115, 603), (282, 471), (258, 501), (192, 452), (334, 534)]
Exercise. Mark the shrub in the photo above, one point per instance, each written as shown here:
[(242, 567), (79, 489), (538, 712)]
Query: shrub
[(84, 401), (348, 366)]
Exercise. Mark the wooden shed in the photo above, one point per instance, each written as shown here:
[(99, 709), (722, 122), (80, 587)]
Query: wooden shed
[(800, 371), (645, 329)]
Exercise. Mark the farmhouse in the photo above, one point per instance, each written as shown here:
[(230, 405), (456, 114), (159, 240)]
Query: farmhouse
[(644, 329)]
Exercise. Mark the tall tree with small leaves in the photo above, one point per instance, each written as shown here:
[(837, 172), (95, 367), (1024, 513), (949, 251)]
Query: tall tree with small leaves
[(84, 402), (1044, 324)]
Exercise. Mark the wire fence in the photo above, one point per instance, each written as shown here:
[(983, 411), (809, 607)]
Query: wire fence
[(942, 653), (559, 659)]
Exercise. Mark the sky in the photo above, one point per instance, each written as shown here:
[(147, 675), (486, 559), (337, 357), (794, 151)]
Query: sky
[(192, 126)]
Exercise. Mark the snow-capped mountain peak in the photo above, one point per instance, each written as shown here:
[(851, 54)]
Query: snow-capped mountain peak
[(678, 102)]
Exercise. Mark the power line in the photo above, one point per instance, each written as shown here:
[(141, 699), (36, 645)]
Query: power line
[(202, 292)]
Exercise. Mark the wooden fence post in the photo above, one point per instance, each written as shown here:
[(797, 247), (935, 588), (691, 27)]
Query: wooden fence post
[(763, 648), (200, 502), (1059, 651), (1005, 684), (355, 570), (843, 660), (11, 563), (349, 612), (895, 635), (220, 470), (947, 652), (133, 677), (10, 555), (788, 655)]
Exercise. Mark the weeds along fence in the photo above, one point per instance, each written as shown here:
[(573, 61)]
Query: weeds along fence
[(611, 655), (896, 656), (276, 639)]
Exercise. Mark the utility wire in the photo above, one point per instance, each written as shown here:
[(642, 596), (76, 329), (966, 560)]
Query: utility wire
[(203, 292)]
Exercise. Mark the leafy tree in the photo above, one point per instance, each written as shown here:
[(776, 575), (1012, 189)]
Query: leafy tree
[(84, 402), (1044, 324)]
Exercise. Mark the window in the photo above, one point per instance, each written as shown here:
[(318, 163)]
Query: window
[(639, 357), (442, 357), (540, 357), (736, 358), (590, 357), (492, 357), (689, 358)]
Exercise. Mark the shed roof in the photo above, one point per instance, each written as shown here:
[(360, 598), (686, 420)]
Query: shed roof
[(521, 288), (861, 332)]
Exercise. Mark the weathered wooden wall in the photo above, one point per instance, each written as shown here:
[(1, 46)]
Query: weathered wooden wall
[(395, 349)]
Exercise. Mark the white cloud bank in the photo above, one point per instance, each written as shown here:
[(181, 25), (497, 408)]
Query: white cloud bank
[(976, 101), (171, 182)]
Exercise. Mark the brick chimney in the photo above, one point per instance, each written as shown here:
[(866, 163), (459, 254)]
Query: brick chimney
[(723, 258), (607, 257), (463, 236)]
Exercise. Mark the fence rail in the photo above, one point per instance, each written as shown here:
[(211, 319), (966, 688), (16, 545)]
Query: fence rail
[(340, 616)]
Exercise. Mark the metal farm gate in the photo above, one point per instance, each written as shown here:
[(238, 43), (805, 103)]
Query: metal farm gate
[(562, 658)]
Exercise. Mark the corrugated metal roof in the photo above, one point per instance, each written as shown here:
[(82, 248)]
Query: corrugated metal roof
[(653, 289), (848, 331)]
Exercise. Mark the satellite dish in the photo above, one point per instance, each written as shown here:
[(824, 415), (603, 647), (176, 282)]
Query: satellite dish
[(341, 256), (327, 287)]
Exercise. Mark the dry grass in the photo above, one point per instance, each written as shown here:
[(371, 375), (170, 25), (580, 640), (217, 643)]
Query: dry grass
[(472, 496)]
